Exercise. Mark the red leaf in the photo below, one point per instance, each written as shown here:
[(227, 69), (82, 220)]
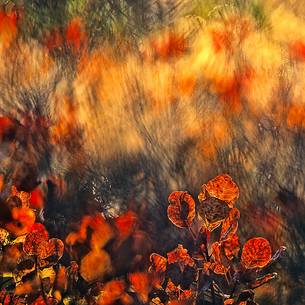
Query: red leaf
[(125, 224), (158, 262), (230, 225), (181, 257), (75, 35), (297, 50), (141, 283), (111, 292), (36, 199), (169, 45), (37, 236), (53, 247), (8, 27), (157, 268), (181, 209), (231, 247), (221, 187), (256, 253), (95, 265), (7, 126), (23, 219)]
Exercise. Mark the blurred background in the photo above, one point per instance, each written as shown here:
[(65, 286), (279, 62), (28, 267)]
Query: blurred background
[(123, 101)]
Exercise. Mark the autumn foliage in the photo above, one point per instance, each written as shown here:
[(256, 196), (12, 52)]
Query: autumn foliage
[(176, 94), (216, 269)]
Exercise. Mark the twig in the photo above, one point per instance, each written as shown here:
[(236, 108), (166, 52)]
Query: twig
[(213, 293), (233, 289), (198, 275), (40, 280), (191, 232)]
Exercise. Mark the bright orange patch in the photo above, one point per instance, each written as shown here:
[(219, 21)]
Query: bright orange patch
[(256, 253)]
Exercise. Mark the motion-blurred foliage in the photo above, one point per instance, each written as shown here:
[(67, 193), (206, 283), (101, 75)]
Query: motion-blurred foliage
[(106, 107)]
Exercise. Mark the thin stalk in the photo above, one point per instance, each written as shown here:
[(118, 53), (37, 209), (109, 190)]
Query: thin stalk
[(213, 293)]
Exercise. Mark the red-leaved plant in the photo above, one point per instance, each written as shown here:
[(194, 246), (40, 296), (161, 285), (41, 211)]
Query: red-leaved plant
[(218, 270), (37, 268)]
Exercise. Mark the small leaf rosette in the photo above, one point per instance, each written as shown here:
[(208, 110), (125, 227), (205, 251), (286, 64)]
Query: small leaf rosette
[(217, 198)]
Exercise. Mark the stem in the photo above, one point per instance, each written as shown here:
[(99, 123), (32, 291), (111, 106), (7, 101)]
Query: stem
[(40, 279), (198, 275), (191, 232), (213, 293), (233, 289)]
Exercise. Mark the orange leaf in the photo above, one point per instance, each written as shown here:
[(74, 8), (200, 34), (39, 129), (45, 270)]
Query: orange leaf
[(297, 50), (125, 224), (75, 35), (72, 238), (217, 268), (181, 209), (256, 253), (231, 247), (216, 252), (230, 225), (296, 116), (189, 301), (126, 299), (217, 264), (36, 199), (158, 262), (39, 228), (23, 288), (172, 290), (23, 196), (53, 247), (8, 27), (61, 279), (228, 302), (220, 269), (102, 232), (7, 127), (186, 294), (95, 265), (156, 301), (111, 292), (1, 180), (23, 219), (141, 283), (181, 257), (157, 268), (221, 187), (32, 241), (169, 45), (83, 227)]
